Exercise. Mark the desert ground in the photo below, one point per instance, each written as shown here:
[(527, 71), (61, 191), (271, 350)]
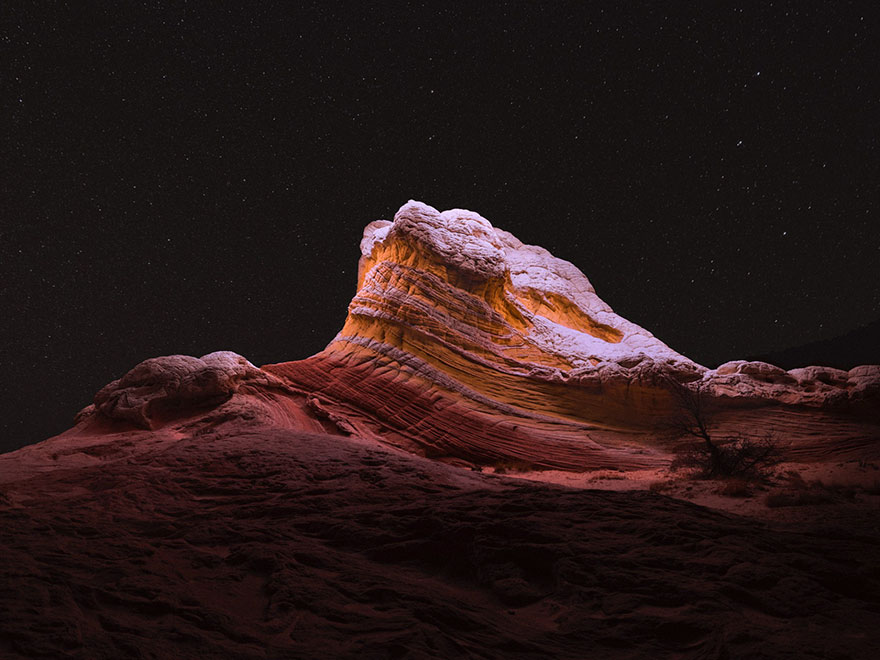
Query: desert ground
[(260, 543)]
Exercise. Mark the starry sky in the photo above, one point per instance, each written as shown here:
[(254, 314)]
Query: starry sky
[(191, 177)]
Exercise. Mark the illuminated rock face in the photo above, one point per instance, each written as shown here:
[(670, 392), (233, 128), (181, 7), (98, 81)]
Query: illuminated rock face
[(495, 297), (808, 386), (463, 343)]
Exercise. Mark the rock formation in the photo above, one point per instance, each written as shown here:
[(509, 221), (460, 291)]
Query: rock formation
[(462, 343), (207, 508)]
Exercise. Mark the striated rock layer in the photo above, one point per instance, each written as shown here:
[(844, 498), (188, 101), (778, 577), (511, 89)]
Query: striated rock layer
[(208, 508), (465, 344), (463, 341)]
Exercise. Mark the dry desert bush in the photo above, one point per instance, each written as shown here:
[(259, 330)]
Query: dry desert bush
[(739, 457), (714, 456)]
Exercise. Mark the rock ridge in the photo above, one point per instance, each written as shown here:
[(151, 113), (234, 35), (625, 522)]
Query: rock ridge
[(463, 343)]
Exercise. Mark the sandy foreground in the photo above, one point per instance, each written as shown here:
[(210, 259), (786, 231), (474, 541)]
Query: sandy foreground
[(264, 543), (793, 492)]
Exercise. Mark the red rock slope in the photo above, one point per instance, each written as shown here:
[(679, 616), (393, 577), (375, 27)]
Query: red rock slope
[(207, 508), (230, 541), (461, 341), (464, 344)]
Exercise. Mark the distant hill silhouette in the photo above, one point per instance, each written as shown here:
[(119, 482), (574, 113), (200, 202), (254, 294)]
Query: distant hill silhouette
[(861, 346)]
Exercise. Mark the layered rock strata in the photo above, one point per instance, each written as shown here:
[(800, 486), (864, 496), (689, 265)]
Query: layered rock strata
[(465, 344)]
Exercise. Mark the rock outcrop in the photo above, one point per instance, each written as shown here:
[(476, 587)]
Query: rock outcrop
[(158, 387), (821, 387), (463, 343), (207, 508)]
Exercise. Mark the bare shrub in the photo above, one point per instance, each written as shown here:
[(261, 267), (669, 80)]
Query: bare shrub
[(741, 457), (716, 457)]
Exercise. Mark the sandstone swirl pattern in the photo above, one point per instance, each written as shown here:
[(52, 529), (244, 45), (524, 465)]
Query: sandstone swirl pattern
[(464, 344), (462, 341)]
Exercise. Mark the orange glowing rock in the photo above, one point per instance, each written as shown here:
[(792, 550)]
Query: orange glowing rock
[(463, 343)]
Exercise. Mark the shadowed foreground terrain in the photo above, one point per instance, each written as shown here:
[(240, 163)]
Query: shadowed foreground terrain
[(274, 543)]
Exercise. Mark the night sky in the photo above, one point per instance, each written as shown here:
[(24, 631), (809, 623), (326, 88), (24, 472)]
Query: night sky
[(192, 178)]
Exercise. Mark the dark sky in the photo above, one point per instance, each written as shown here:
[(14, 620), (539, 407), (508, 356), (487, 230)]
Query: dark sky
[(190, 178)]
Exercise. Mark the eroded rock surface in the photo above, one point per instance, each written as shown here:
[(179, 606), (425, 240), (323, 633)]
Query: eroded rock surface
[(463, 343), (273, 543), (820, 387), (207, 508), (159, 386)]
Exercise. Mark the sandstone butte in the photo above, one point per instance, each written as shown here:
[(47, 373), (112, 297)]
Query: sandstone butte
[(464, 345)]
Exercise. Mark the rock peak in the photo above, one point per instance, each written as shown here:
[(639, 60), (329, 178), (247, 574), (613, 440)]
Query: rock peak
[(554, 301), (464, 343)]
